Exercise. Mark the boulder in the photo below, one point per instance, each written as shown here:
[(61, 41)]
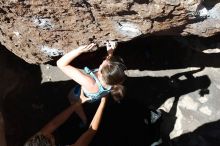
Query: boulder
[(39, 30)]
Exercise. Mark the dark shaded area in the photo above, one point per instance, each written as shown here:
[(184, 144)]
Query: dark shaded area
[(51, 100), (29, 104), (168, 122), (122, 13), (154, 91), (123, 124), (161, 128), (160, 53), (19, 81), (205, 135), (168, 52), (142, 1), (209, 4)]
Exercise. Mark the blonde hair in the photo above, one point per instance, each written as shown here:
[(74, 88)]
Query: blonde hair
[(113, 74)]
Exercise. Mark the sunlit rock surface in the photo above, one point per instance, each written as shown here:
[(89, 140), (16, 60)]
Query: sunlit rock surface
[(210, 24), (39, 30)]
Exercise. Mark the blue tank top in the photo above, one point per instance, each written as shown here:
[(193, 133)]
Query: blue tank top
[(101, 92)]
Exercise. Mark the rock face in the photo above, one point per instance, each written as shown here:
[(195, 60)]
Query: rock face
[(38, 30)]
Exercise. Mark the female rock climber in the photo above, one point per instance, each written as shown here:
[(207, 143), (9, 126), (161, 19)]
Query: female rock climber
[(94, 84)]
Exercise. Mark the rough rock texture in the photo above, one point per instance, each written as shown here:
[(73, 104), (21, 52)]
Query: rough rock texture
[(210, 24), (38, 30)]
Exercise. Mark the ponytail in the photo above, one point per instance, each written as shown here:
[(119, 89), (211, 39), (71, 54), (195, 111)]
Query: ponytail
[(113, 74), (117, 92)]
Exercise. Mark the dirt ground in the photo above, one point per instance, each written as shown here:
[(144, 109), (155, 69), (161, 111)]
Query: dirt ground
[(169, 75)]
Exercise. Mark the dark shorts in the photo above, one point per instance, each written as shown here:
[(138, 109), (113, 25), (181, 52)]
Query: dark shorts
[(74, 94)]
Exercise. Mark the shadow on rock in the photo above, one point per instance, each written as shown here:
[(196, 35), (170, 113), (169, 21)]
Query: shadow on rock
[(205, 135), (161, 124), (159, 53), (28, 104), (123, 123), (19, 80), (154, 91)]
